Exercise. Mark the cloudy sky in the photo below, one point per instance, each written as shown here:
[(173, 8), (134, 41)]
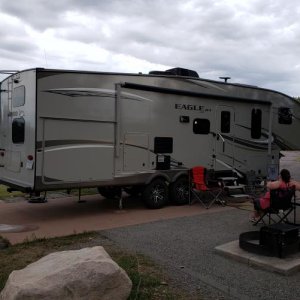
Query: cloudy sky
[(252, 41)]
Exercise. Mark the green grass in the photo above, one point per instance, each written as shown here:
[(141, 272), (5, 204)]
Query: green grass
[(5, 194), (84, 192), (149, 282)]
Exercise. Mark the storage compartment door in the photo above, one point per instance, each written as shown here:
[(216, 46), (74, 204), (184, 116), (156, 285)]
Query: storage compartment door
[(136, 152)]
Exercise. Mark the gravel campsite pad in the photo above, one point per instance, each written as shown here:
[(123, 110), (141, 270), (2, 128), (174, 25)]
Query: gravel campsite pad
[(184, 247)]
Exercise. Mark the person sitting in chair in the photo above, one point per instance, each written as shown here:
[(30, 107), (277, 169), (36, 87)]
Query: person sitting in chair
[(262, 203)]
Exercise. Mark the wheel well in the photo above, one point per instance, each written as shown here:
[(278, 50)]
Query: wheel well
[(179, 176), (159, 176)]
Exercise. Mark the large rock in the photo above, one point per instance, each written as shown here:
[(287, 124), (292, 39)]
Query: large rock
[(88, 273)]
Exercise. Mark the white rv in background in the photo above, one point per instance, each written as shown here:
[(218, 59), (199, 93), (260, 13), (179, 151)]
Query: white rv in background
[(65, 129)]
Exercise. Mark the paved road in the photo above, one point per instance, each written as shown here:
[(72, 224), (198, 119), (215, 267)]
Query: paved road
[(184, 247)]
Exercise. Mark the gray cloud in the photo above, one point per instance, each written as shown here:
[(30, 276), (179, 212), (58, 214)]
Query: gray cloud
[(255, 41)]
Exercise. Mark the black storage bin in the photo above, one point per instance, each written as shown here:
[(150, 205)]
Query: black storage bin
[(280, 239)]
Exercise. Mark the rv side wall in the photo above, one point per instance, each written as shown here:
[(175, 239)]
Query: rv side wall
[(214, 133), (91, 133)]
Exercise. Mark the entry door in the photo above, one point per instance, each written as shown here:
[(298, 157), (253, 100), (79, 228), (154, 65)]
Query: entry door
[(225, 138)]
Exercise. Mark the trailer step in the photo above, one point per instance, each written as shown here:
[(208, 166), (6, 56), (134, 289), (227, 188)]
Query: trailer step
[(239, 196), (234, 187)]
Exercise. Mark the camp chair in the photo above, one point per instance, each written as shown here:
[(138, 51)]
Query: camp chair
[(201, 186), (281, 205)]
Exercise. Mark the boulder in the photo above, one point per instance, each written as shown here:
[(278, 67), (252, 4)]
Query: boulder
[(88, 273)]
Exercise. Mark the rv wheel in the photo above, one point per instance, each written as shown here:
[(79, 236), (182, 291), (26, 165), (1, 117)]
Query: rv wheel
[(110, 192), (179, 191), (155, 194)]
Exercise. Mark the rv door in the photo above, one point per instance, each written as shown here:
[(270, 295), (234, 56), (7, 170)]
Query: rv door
[(18, 130), (10, 156), (15, 127), (225, 135)]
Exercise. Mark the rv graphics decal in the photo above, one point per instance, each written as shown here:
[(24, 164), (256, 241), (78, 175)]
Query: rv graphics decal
[(62, 143), (189, 107), (275, 139), (247, 143), (94, 92), (59, 144), (199, 108)]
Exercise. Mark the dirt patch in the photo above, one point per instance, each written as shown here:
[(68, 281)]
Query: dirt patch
[(64, 216)]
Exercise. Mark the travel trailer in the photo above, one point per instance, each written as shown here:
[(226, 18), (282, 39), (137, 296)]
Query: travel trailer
[(65, 129)]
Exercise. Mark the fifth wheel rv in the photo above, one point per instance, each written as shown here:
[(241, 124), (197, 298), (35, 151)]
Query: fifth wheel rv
[(65, 129)]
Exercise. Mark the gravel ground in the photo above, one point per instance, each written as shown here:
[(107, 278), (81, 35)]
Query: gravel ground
[(184, 247)]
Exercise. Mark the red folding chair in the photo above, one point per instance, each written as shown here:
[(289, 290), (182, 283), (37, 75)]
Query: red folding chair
[(201, 188)]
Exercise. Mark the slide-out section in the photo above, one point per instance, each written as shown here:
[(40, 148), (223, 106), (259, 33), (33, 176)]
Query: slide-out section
[(77, 151)]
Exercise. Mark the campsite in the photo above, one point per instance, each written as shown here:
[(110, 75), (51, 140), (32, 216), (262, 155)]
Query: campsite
[(149, 150), (91, 158)]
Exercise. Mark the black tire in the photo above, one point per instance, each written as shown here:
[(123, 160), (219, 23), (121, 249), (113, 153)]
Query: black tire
[(133, 190), (110, 192), (179, 191), (155, 194)]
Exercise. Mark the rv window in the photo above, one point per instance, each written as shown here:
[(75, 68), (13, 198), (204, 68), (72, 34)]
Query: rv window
[(285, 115), (256, 123), (201, 126), (18, 131), (18, 97), (225, 121)]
